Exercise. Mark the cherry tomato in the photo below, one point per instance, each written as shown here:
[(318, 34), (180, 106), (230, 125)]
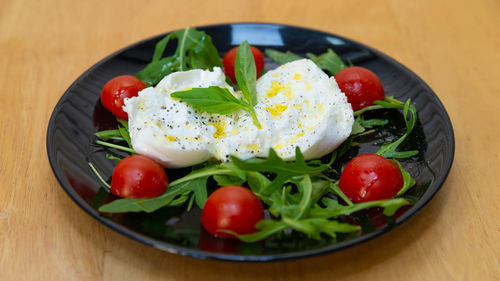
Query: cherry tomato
[(230, 57), (116, 90), (370, 177), (138, 176), (232, 208), (361, 86)]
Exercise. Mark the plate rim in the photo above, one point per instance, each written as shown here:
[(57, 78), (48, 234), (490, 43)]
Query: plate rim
[(200, 254)]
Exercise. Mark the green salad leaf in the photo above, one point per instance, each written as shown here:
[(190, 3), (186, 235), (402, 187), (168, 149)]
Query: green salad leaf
[(282, 57), (178, 192), (328, 61), (212, 100), (284, 171), (194, 50)]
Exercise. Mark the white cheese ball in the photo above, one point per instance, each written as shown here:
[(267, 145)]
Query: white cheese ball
[(297, 105)]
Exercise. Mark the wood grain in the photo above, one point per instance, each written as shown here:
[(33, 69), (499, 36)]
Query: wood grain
[(45, 45)]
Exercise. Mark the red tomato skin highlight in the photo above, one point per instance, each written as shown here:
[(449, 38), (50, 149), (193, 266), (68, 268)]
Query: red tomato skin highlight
[(230, 57), (370, 177), (116, 90), (232, 208), (138, 176), (361, 86)]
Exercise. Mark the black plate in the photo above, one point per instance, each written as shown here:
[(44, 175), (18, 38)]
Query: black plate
[(78, 115)]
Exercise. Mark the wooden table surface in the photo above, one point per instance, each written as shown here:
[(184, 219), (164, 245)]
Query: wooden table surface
[(45, 45)]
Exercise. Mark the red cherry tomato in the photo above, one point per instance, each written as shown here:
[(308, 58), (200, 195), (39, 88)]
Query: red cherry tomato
[(361, 86), (230, 57), (232, 208), (116, 90), (138, 176), (370, 177)]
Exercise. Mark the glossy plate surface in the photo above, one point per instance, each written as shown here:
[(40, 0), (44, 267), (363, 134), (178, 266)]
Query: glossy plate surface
[(79, 114)]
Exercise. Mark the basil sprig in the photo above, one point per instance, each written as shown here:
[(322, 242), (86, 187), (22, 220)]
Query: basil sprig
[(219, 100)]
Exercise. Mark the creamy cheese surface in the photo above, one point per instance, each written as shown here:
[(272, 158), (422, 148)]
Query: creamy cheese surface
[(297, 105)]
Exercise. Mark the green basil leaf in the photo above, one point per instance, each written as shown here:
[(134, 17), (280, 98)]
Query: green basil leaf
[(282, 57), (246, 73), (212, 100)]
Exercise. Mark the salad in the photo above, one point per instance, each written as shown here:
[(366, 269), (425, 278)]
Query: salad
[(276, 191)]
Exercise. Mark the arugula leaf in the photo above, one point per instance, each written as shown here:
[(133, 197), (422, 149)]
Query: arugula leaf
[(388, 150), (194, 50), (123, 129), (266, 228), (328, 61), (212, 100), (199, 188), (294, 205), (313, 227), (223, 180), (408, 181), (116, 146), (357, 127), (178, 192), (334, 209), (334, 187), (282, 57), (284, 170), (147, 205), (160, 47), (370, 123), (109, 134)]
